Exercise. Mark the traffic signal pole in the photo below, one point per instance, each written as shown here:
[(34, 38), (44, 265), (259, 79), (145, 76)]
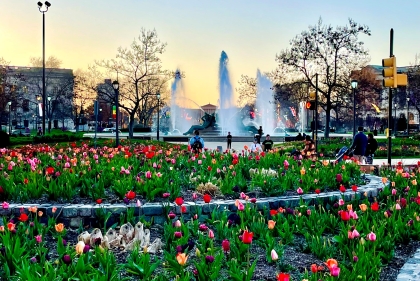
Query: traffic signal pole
[(316, 115), (391, 54)]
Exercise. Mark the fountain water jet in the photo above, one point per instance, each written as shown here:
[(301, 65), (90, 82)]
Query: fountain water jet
[(265, 103), (227, 108)]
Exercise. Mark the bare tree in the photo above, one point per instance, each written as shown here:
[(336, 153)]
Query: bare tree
[(332, 54), (247, 91), (136, 67), (413, 89)]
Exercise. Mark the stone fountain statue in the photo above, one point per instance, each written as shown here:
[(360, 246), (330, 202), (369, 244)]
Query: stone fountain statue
[(209, 120)]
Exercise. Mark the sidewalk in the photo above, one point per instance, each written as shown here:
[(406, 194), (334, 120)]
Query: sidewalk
[(381, 161)]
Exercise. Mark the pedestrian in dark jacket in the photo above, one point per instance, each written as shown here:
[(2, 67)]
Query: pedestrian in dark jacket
[(229, 141), (372, 146), (359, 145)]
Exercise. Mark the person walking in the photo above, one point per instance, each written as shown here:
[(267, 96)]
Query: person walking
[(197, 142), (371, 147), (359, 145), (229, 141), (267, 143)]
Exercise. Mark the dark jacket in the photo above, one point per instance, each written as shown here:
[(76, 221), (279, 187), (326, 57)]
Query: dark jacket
[(359, 144), (372, 146)]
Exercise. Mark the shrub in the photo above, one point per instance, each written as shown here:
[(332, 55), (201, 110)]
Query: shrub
[(4, 139)]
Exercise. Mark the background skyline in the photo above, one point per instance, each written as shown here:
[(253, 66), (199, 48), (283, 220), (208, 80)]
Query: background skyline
[(250, 32)]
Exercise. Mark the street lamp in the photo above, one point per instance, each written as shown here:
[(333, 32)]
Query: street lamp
[(354, 87), (408, 117), (116, 87), (43, 8), (49, 114), (10, 111), (395, 119), (158, 113)]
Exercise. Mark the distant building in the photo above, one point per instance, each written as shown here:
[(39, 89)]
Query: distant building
[(25, 93)]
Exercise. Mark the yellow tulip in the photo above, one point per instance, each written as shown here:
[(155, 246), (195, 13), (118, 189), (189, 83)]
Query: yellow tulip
[(79, 247)]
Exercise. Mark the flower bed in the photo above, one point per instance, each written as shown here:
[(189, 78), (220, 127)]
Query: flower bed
[(82, 173), (349, 239)]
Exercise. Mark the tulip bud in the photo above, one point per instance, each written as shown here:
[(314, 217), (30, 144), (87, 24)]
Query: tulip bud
[(274, 255)]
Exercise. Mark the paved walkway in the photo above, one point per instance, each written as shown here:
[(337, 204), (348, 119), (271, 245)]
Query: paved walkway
[(411, 269)]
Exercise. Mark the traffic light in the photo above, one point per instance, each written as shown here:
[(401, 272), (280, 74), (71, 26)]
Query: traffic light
[(391, 78), (114, 112), (310, 105)]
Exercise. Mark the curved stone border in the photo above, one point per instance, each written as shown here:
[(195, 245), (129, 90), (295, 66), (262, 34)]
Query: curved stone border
[(411, 269), (76, 215)]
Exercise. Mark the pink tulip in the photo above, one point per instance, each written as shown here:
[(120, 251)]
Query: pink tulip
[(148, 174), (394, 191), (299, 190), (177, 223), (335, 271), (341, 202), (241, 206), (371, 236), (274, 255), (194, 196), (211, 234), (38, 239), (199, 162), (5, 205), (242, 196), (397, 207)]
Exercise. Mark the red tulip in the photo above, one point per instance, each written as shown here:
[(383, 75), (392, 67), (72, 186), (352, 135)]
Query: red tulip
[(342, 188), (339, 177), (50, 171), (99, 201), (345, 216), (354, 187), (183, 209), (283, 277), (23, 217), (403, 202), (209, 168), (374, 206), (226, 245), (317, 191), (179, 201), (130, 195), (206, 198), (247, 237)]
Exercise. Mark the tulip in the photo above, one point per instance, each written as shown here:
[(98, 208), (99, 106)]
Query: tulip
[(194, 196), (80, 246), (354, 187), (363, 207), (38, 239), (206, 198), (283, 277), (5, 205), (247, 237), (242, 196), (397, 207), (130, 195), (317, 191), (211, 234), (67, 259), (355, 258), (179, 201), (331, 263), (23, 217), (374, 206), (166, 195), (342, 188), (177, 224), (394, 191), (209, 259), (339, 177), (59, 227), (178, 234), (274, 255), (271, 224), (299, 191), (171, 215), (226, 245), (182, 258), (371, 236), (345, 216), (335, 271), (341, 202)]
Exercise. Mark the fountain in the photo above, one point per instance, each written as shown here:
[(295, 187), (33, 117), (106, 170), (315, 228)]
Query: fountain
[(265, 103), (227, 108)]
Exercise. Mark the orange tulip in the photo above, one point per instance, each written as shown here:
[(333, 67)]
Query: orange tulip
[(59, 227), (182, 258), (271, 224), (363, 207), (331, 263), (80, 246)]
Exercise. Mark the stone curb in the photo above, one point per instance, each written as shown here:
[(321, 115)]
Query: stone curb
[(77, 215), (411, 269)]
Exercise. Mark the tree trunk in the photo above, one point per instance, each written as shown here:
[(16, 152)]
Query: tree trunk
[(327, 123), (77, 122), (131, 125)]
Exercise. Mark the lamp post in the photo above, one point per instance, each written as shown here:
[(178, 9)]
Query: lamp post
[(354, 87), (10, 112), (395, 119), (49, 114), (43, 8), (116, 87), (158, 116), (408, 116)]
